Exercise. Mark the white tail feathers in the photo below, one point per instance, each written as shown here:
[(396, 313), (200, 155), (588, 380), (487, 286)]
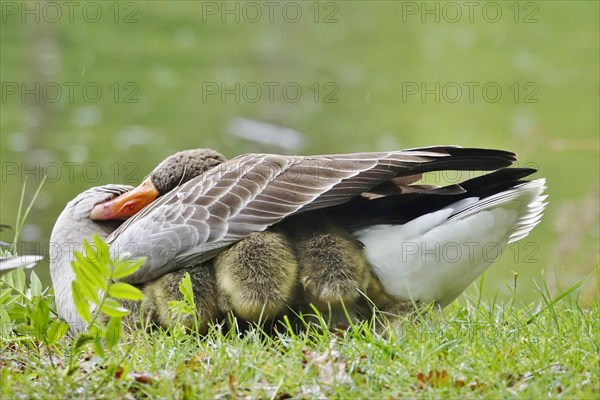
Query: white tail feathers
[(435, 257), (527, 199)]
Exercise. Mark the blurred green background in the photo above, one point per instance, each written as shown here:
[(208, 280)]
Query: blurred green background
[(98, 92)]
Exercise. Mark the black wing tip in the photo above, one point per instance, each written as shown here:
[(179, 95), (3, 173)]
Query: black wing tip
[(471, 151), (467, 162), (506, 176), (467, 158), (481, 152)]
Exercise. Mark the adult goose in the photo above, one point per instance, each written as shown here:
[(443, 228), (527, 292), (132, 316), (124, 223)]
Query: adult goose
[(421, 243)]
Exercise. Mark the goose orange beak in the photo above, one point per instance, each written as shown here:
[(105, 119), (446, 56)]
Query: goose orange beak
[(127, 204)]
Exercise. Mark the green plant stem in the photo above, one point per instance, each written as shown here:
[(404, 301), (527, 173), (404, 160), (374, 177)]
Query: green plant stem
[(21, 220), (15, 289), (74, 349)]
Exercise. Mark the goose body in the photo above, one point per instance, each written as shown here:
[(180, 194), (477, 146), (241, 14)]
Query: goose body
[(196, 220), (423, 243), (392, 226)]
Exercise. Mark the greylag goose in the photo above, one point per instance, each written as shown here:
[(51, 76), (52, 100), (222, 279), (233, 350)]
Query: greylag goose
[(371, 196)]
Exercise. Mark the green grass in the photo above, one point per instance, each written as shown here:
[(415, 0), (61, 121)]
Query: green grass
[(476, 348), (476, 351)]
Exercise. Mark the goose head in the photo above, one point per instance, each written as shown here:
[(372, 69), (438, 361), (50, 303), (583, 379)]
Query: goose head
[(170, 173)]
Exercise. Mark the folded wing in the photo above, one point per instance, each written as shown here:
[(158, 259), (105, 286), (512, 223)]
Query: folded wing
[(247, 194)]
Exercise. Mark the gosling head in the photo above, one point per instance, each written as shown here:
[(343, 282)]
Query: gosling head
[(170, 173)]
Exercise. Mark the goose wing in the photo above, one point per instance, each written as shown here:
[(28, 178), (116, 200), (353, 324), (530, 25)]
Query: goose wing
[(247, 194)]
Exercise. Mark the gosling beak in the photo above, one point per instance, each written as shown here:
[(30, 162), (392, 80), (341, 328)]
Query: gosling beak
[(127, 204)]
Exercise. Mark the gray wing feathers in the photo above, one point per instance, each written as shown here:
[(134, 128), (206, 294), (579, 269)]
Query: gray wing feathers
[(248, 194)]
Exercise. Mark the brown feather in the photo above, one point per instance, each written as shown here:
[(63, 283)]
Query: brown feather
[(319, 182)]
